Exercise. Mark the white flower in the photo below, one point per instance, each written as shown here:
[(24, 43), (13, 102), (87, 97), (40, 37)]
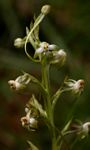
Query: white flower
[(20, 82), (15, 85), (44, 47), (75, 86), (29, 121), (24, 121)]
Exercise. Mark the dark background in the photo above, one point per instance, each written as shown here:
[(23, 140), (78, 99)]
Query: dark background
[(68, 26)]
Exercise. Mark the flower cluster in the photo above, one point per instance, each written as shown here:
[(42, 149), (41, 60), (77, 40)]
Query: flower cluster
[(34, 112)]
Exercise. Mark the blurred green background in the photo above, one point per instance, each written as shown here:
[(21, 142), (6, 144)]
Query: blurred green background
[(68, 26)]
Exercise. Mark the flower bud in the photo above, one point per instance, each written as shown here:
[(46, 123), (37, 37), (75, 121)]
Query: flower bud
[(33, 123), (45, 9), (18, 43), (52, 47), (84, 130), (26, 110), (59, 57)]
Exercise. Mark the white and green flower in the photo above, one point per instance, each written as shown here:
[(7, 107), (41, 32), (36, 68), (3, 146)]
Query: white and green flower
[(44, 48), (75, 86), (20, 82)]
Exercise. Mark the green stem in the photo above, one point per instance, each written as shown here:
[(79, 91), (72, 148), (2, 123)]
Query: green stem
[(46, 85), (47, 100)]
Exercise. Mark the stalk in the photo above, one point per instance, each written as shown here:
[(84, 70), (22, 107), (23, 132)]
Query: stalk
[(47, 100)]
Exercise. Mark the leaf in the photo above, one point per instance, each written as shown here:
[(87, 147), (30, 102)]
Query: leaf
[(38, 106), (32, 35), (31, 25), (32, 146), (67, 125), (36, 31), (27, 31)]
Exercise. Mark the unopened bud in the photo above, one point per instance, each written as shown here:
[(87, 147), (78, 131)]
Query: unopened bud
[(86, 127), (59, 57), (45, 9), (33, 123), (26, 110), (62, 55), (84, 130), (18, 43)]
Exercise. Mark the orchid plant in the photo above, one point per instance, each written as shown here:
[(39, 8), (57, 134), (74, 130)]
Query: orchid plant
[(46, 54)]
